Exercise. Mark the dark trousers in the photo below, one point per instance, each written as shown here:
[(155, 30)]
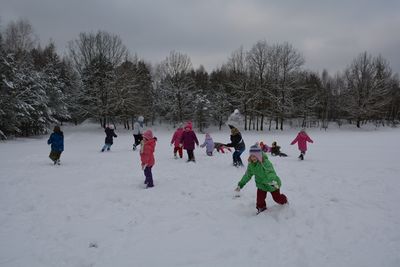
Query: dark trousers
[(55, 155), (237, 161), (149, 176), (179, 150), (276, 196), (138, 139), (190, 154)]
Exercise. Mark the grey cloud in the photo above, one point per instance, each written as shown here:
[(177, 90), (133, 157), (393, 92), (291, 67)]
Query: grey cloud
[(328, 33)]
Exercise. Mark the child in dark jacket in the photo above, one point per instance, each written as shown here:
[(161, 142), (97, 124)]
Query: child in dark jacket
[(265, 178), (276, 150), (188, 140), (109, 137), (238, 144), (56, 141)]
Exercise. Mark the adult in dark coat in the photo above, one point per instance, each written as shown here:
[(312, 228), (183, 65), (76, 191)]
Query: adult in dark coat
[(238, 144), (188, 140), (110, 134), (56, 141)]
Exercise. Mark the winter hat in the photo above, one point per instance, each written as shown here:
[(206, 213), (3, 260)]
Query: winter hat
[(140, 118), (148, 134), (231, 126), (256, 151), (189, 125), (208, 136), (110, 126)]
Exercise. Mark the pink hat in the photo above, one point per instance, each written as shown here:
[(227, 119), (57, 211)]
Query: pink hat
[(148, 134), (189, 125)]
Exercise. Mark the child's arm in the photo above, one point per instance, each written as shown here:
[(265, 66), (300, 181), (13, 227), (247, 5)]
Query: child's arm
[(295, 140), (246, 177), (309, 139)]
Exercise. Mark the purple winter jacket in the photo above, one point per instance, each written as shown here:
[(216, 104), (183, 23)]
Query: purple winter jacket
[(188, 140), (209, 144)]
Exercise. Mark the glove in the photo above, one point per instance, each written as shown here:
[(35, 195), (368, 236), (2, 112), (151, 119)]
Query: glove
[(237, 192)]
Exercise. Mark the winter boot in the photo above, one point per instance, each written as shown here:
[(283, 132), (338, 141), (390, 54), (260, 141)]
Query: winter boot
[(259, 210)]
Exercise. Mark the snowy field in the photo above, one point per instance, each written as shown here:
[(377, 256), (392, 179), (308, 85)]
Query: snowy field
[(94, 211)]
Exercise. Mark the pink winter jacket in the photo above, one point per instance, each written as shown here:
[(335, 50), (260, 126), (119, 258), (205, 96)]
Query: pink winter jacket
[(176, 138), (147, 154), (301, 139)]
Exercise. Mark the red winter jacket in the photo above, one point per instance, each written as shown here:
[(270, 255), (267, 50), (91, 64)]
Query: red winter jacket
[(147, 153), (301, 139), (176, 138)]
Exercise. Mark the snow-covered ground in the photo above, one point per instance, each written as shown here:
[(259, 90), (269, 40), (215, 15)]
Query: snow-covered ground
[(93, 210)]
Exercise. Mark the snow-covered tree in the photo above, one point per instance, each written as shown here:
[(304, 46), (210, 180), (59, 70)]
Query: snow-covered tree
[(175, 87), (368, 85)]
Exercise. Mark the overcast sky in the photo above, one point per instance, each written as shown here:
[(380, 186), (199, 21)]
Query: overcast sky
[(329, 33)]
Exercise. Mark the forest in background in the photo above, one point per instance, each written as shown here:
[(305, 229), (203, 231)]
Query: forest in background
[(99, 78)]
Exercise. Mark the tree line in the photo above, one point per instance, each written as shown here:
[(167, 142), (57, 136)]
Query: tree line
[(100, 79)]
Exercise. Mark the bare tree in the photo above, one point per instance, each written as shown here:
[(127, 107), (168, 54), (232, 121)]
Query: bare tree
[(19, 36), (175, 86), (90, 46), (368, 84)]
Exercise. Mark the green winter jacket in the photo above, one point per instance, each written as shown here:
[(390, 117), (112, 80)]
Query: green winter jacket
[(265, 176)]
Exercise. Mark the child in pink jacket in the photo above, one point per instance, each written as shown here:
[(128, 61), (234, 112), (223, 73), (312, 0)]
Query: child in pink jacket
[(147, 148), (301, 139), (176, 140)]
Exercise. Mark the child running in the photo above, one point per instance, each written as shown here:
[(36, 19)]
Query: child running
[(265, 178)]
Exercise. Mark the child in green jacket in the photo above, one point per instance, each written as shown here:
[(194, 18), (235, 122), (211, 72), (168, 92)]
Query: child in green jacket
[(265, 178)]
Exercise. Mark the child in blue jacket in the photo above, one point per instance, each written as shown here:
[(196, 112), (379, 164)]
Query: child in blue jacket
[(56, 141)]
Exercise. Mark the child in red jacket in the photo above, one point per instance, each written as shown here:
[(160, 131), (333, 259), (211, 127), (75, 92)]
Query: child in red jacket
[(301, 139), (176, 141), (147, 148)]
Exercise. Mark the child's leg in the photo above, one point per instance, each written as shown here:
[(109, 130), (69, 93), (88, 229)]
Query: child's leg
[(53, 155), (235, 158), (108, 147), (209, 153), (278, 197), (104, 148), (180, 152), (190, 155), (176, 148), (149, 176), (261, 195)]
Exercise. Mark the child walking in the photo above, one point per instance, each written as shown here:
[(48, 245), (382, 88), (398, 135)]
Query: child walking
[(56, 141), (176, 141), (265, 178), (209, 144), (188, 140), (110, 134), (301, 139), (147, 148)]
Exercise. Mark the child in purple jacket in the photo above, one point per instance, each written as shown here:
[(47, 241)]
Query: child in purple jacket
[(209, 144), (188, 140)]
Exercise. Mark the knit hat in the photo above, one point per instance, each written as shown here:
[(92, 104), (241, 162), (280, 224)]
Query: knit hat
[(110, 126), (189, 125), (148, 134), (256, 151), (208, 136), (140, 119)]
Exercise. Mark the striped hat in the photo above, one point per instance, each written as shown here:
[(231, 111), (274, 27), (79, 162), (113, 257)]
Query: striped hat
[(256, 151)]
